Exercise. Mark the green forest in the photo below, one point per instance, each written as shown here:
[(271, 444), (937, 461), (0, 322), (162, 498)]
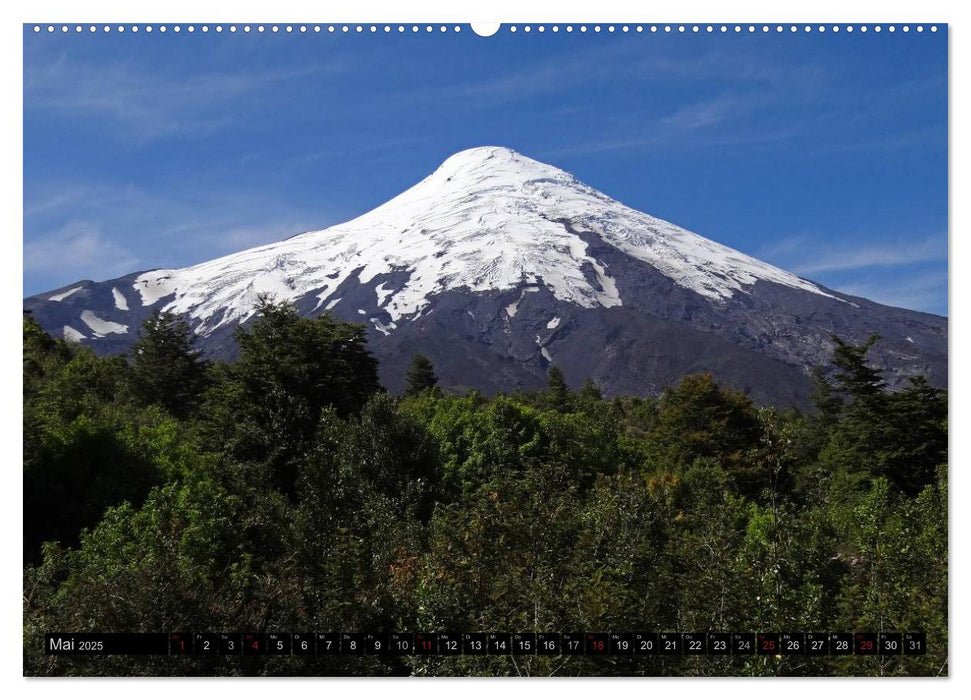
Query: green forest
[(287, 491)]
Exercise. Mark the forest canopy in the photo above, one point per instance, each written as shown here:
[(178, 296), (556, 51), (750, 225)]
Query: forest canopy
[(287, 491)]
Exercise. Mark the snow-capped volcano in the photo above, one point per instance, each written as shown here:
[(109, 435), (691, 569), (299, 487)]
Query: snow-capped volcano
[(536, 260), (487, 219)]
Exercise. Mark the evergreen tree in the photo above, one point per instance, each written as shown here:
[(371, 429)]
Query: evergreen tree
[(916, 437), (166, 369), (590, 391), (420, 376), (700, 419), (266, 406), (559, 392), (827, 402), (854, 377)]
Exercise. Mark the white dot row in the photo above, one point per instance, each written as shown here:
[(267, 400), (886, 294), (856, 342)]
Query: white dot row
[(737, 28), (289, 28), (346, 29)]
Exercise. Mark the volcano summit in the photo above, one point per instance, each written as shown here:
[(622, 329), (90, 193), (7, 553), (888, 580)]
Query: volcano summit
[(496, 266)]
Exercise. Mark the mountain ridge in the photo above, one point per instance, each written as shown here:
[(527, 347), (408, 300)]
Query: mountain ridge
[(521, 243)]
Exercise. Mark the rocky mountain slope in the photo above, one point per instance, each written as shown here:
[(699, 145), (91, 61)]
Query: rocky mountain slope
[(497, 265)]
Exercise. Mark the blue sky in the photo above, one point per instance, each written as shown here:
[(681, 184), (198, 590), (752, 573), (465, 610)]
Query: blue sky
[(825, 154)]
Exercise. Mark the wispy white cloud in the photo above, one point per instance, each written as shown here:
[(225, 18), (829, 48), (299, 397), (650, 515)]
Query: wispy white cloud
[(634, 65), (146, 102), (77, 250), (922, 292), (688, 126), (102, 231), (909, 273), (806, 255)]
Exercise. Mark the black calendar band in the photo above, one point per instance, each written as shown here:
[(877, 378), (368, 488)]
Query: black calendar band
[(489, 643)]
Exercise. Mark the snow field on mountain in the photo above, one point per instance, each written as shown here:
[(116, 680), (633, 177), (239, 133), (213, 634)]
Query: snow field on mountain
[(487, 219)]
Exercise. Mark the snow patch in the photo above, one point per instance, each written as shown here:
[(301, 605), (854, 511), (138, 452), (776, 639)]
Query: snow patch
[(909, 339), (362, 312), (553, 322), (546, 354), (512, 308), (100, 327), (332, 303), (321, 296), (121, 303), (383, 327), (383, 293), (64, 295), (73, 335)]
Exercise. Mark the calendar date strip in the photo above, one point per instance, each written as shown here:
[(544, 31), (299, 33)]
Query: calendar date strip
[(490, 644)]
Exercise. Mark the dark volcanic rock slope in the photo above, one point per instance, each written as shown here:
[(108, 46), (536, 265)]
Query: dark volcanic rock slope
[(496, 266)]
